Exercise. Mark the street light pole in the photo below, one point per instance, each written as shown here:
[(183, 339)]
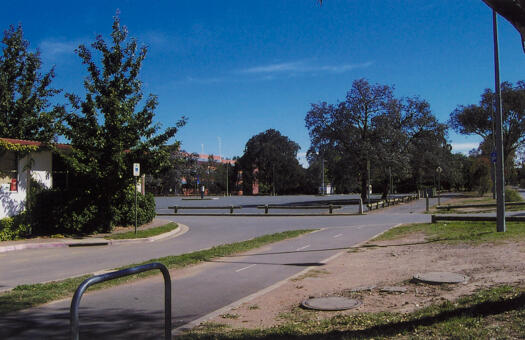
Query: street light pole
[(500, 179)]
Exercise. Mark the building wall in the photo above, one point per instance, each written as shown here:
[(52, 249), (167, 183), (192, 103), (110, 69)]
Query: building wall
[(39, 165)]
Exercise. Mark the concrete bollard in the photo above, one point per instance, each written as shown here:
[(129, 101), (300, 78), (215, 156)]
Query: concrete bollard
[(360, 206)]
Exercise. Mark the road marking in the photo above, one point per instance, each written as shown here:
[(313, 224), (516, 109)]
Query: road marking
[(302, 248), (338, 235), (240, 270)]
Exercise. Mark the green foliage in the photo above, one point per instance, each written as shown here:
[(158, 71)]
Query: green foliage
[(25, 111), (271, 159), (12, 228), (125, 211), (374, 132), (512, 195), (480, 174), (478, 118), (57, 211), (107, 129)]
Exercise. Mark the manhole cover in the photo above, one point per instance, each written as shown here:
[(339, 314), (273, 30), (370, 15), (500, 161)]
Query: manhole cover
[(331, 303), (440, 277)]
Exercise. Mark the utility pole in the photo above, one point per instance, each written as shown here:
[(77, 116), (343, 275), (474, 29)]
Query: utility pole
[(500, 179)]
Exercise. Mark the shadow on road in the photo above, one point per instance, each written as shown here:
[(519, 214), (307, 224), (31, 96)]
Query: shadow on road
[(94, 324)]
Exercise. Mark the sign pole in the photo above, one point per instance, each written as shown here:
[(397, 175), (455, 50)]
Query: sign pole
[(136, 174)]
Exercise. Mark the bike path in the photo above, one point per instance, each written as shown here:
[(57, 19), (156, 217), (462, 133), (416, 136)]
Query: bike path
[(136, 310)]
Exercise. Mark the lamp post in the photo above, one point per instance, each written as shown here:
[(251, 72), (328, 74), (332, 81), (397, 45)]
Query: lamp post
[(500, 180)]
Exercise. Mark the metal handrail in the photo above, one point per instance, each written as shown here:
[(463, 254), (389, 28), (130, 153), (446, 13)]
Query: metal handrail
[(73, 312)]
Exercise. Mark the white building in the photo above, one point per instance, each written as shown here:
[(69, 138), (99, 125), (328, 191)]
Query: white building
[(16, 167)]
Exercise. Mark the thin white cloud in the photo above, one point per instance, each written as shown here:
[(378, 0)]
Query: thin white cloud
[(277, 70), (302, 67), (53, 49), (464, 147)]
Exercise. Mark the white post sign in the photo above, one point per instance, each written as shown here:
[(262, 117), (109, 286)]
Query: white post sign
[(136, 169)]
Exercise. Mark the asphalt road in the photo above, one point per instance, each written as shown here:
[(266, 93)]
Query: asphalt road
[(42, 265), (135, 310)]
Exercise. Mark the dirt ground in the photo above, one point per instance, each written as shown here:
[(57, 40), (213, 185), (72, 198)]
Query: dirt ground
[(361, 273)]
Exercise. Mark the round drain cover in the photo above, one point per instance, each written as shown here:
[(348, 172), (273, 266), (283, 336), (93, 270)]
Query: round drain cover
[(440, 277), (331, 303)]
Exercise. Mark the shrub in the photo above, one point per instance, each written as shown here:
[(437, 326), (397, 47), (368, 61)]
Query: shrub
[(125, 211), (56, 211), (62, 212), (512, 195), (12, 228)]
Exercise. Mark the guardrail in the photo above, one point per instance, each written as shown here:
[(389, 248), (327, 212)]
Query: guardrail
[(176, 208), (436, 218), (75, 302), (487, 205), (391, 201), (330, 207)]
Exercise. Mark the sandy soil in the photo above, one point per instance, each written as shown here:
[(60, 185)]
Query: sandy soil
[(361, 273)]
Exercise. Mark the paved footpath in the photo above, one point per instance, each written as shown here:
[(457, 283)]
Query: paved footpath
[(136, 310)]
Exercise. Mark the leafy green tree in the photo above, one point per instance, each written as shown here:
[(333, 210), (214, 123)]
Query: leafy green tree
[(271, 159), (372, 131), (107, 130), (478, 119), (25, 110), (169, 179), (344, 131)]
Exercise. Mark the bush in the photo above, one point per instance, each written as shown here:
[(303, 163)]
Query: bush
[(512, 195), (12, 228), (125, 211), (66, 212), (62, 212)]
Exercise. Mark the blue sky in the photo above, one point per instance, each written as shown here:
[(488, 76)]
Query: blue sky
[(237, 68)]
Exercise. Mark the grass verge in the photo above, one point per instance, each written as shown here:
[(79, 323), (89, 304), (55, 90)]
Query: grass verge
[(458, 232), (143, 233), (497, 313), (26, 296)]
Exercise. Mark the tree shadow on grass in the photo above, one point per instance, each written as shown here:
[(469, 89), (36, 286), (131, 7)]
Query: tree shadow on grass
[(391, 329)]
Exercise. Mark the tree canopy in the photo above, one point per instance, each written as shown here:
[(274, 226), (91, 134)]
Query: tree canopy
[(112, 127), (25, 93), (271, 159), (373, 131), (479, 118)]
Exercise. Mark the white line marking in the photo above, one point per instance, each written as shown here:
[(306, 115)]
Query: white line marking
[(302, 248), (240, 270), (338, 235)]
